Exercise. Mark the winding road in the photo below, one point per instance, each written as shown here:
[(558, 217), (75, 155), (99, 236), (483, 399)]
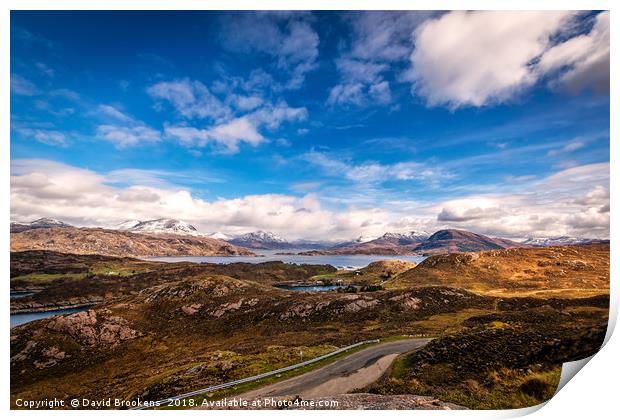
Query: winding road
[(343, 375)]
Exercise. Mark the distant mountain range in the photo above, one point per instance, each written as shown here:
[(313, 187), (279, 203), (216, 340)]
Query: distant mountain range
[(42, 223), (562, 240), (414, 243), (268, 240), (158, 226), (390, 243)]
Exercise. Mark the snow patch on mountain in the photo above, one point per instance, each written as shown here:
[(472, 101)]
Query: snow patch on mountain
[(127, 224), (44, 222), (168, 226), (558, 240), (261, 236), (220, 235), (409, 236)]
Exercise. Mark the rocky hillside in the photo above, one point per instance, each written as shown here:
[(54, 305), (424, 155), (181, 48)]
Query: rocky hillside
[(119, 243), (64, 280), (260, 240), (454, 240), (509, 359), (387, 241), (441, 242), (164, 329), (205, 330), (580, 269), (388, 268)]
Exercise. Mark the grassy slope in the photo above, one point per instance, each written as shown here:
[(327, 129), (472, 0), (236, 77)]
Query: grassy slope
[(573, 271), (507, 359)]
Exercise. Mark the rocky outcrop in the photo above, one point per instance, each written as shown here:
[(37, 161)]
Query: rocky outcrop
[(94, 328)]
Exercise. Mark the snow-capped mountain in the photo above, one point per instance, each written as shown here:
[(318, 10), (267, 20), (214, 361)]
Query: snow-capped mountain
[(260, 240), (170, 226), (405, 238), (362, 239), (220, 235), (268, 240), (559, 240), (45, 222), (127, 224), (387, 239), (359, 240)]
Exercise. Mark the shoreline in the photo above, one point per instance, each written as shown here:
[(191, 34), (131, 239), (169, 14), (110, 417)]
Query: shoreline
[(54, 308)]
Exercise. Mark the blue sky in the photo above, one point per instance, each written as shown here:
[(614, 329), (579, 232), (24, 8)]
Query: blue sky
[(318, 125)]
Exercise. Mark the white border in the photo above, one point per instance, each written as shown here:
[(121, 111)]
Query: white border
[(593, 395)]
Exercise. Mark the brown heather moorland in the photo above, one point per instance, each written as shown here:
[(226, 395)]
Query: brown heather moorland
[(119, 243), (164, 329)]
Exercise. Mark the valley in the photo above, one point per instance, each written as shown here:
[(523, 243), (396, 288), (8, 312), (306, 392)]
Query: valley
[(159, 329)]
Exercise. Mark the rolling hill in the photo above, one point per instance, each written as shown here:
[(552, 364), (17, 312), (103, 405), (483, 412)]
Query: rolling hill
[(526, 271), (119, 243)]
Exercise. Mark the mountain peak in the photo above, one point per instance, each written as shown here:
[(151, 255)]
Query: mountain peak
[(412, 235), (163, 225), (262, 235), (260, 239), (220, 235), (49, 221), (44, 222)]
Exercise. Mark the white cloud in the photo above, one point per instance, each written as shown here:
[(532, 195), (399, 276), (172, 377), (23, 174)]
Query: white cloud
[(362, 84), (477, 58), (347, 93), (488, 57), (22, 86), (360, 71), (299, 52), (373, 172), (226, 135), (123, 130), (40, 187), (542, 208), (246, 103), (568, 148), (45, 69), (239, 129), (384, 35), (287, 36), (47, 136), (272, 116), (378, 40), (548, 207), (190, 98), (122, 136), (66, 94), (236, 119), (112, 112), (586, 57), (380, 92)]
